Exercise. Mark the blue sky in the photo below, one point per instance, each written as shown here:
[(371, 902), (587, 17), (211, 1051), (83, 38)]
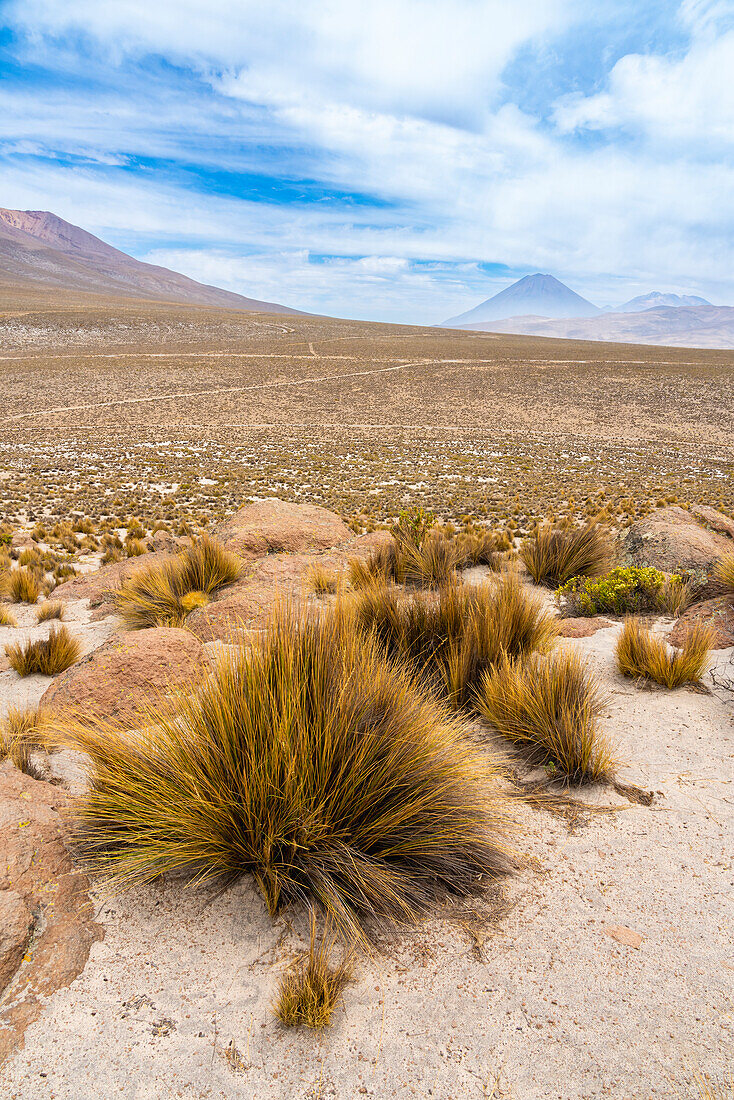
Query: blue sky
[(397, 160)]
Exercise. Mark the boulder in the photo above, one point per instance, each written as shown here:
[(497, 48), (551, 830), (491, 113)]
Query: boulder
[(276, 526), (674, 539), (46, 916), (116, 678), (717, 612)]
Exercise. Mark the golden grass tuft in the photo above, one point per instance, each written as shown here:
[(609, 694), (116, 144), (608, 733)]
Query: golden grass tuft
[(7, 618), (164, 593), (309, 990), (46, 656), (550, 707), (22, 733), (556, 554), (307, 761), (724, 571), (23, 586), (322, 581), (50, 609), (676, 595), (451, 638), (642, 655)]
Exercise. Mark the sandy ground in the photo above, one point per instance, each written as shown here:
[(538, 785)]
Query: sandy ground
[(526, 997)]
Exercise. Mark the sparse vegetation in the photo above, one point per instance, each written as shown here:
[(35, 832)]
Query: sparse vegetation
[(453, 637), (724, 571), (642, 655), (7, 618), (310, 989), (550, 707), (47, 656), (23, 586), (308, 762), (555, 554), (22, 733)]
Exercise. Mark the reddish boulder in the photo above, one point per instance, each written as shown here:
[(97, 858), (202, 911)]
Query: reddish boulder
[(581, 628), (674, 539), (46, 916), (116, 678), (717, 612), (276, 526)]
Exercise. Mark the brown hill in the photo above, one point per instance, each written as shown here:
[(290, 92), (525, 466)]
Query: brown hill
[(39, 249)]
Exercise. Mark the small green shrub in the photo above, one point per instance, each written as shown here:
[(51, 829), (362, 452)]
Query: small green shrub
[(624, 590)]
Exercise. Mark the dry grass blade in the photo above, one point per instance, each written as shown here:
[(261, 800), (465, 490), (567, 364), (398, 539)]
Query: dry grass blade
[(50, 609), (310, 989), (23, 586), (7, 618), (641, 655), (206, 566), (724, 571), (307, 761), (322, 581), (550, 707), (46, 656), (556, 554)]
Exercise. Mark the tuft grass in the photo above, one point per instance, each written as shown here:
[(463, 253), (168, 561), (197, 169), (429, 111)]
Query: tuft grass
[(309, 991), (452, 638), (642, 655), (135, 548), (724, 571), (307, 761), (550, 707), (7, 618), (23, 586), (676, 595), (163, 594), (556, 554), (50, 609), (322, 581), (22, 733), (46, 656)]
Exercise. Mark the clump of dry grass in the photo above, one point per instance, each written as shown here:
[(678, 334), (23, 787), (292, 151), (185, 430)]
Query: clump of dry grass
[(7, 618), (23, 586), (556, 554), (164, 593), (50, 609), (642, 655), (322, 581), (21, 734), (307, 761), (47, 656), (310, 989), (724, 571), (550, 707), (453, 637), (676, 595), (134, 548)]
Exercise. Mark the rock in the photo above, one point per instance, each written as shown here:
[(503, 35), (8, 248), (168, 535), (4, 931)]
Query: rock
[(46, 917), (627, 936), (581, 628), (98, 587), (166, 542), (16, 924), (718, 612), (116, 678), (716, 521), (673, 539), (275, 526)]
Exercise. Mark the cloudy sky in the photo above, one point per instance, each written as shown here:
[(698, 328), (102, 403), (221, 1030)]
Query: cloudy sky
[(389, 159)]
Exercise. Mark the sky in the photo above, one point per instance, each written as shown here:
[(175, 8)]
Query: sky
[(396, 160)]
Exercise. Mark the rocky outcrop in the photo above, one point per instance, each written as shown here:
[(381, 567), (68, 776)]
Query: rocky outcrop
[(46, 917), (277, 526), (116, 678), (675, 539), (717, 612)]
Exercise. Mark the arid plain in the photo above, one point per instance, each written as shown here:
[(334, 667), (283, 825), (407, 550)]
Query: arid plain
[(154, 409)]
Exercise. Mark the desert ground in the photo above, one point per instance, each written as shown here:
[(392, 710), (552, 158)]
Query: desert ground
[(602, 967)]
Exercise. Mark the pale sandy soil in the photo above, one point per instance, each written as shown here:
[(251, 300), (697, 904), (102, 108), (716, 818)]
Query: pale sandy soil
[(530, 998)]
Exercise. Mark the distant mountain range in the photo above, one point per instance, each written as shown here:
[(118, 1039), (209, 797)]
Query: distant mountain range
[(540, 305), (39, 249)]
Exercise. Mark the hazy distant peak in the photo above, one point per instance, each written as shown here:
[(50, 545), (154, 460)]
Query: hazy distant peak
[(657, 298), (540, 295)]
